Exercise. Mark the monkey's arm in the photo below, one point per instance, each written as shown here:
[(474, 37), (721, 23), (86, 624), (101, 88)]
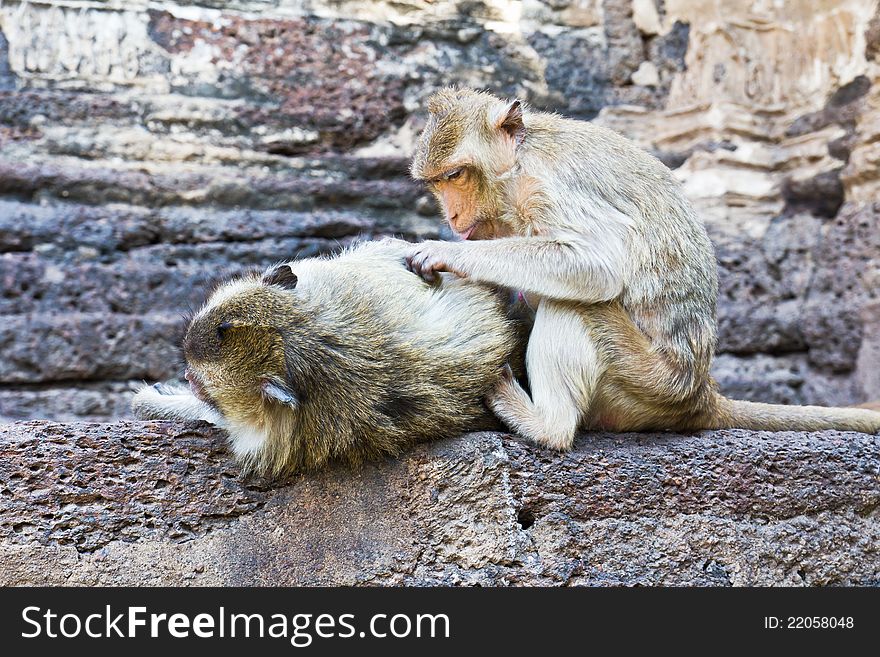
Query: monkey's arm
[(565, 267), (166, 402)]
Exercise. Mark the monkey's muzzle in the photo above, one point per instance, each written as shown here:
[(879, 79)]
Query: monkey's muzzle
[(197, 387)]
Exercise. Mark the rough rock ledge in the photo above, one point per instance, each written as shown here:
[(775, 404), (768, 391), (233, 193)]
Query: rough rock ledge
[(163, 503)]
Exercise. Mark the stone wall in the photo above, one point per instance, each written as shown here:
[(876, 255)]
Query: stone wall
[(149, 148), (160, 503)]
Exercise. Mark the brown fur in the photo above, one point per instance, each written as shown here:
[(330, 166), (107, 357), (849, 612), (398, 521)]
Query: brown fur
[(348, 358)]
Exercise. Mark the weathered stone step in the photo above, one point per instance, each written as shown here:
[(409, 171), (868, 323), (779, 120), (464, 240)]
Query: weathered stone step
[(85, 401), (162, 503), (164, 278), (89, 346), (161, 184), (114, 229)]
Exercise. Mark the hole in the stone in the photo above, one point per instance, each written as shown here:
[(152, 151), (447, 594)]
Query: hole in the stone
[(525, 517)]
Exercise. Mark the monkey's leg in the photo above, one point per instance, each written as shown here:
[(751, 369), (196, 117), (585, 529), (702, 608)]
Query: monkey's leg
[(166, 402), (564, 367)]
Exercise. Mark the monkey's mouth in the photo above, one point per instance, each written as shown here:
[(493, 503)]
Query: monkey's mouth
[(467, 232), (198, 388)]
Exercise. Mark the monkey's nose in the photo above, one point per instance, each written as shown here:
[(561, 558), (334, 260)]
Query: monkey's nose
[(452, 219)]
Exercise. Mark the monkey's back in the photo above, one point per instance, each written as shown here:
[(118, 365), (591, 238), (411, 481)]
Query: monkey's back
[(609, 183), (400, 361)]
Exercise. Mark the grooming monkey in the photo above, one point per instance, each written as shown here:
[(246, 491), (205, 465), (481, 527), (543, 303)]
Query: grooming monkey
[(599, 234), (351, 358)]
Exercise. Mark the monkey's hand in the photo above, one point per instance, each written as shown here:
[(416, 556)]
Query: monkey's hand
[(428, 258), (162, 401)]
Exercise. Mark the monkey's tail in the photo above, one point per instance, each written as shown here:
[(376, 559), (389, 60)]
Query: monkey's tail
[(733, 414)]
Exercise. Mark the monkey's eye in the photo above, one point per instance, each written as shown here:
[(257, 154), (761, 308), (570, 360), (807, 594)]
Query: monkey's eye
[(455, 173), (222, 329)]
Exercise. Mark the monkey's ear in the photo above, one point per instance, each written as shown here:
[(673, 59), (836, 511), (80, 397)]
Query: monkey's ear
[(281, 275), (278, 393), (510, 121)]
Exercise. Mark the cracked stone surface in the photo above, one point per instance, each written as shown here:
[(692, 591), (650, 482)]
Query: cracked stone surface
[(162, 503)]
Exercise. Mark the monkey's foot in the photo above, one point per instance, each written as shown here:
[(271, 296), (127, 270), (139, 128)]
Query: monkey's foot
[(512, 405)]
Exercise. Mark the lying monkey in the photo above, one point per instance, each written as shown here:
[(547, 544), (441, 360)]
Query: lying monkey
[(351, 357)]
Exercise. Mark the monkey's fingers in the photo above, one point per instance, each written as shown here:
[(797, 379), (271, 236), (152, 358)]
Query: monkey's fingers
[(420, 265), (428, 275)]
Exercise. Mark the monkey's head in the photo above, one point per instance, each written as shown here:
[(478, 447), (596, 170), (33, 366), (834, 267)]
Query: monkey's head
[(235, 346), (465, 155)]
